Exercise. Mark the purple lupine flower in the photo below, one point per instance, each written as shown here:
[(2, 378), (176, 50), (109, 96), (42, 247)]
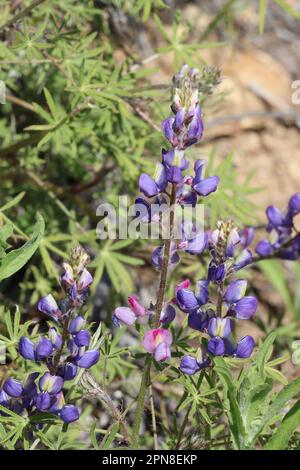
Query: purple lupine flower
[(52, 384), (69, 413), (216, 272), (55, 338), (192, 241), (235, 291), (167, 315), (216, 346), (204, 186), (82, 338), (49, 306), (294, 204), (199, 320), (157, 256), (43, 401), (88, 359), (13, 388), (246, 236), (152, 186), (264, 248), (67, 371), (245, 347), (189, 365), (35, 352), (245, 308), (77, 324), (243, 259)]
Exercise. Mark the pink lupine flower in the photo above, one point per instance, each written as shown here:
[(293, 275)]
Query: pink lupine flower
[(158, 342)]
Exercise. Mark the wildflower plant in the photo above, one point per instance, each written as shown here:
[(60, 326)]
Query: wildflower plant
[(61, 353), (219, 300)]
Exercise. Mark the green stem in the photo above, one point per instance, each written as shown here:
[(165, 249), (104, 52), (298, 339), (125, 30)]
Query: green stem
[(140, 403)]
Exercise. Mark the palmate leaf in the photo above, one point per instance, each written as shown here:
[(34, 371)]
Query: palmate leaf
[(16, 259)]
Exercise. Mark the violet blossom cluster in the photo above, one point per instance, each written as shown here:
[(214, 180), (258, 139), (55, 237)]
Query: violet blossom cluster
[(283, 239), (63, 351), (219, 301)]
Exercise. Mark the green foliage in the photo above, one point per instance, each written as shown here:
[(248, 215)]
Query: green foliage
[(13, 261)]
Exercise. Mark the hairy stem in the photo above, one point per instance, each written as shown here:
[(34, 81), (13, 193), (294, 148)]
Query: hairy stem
[(145, 381)]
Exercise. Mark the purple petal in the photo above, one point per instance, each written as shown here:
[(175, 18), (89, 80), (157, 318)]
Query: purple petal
[(264, 248), (179, 121), (167, 127), (294, 204), (68, 371), (275, 216), (246, 307), (85, 280), (235, 291), (174, 175), (13, 388), (244, 258), (187, 300), (82, 338), (156, 257), (76, 325), (216, 346), (188, 365), (88, 359), (198, 320), (55, 338), (43, 401), (167, 315), (68, 274), (43, 349), (202, 293), (49, 306), (125, 315), (207, 185), (245, 347), (221, 327), (69, 413), (52, 384), (197, 244), (162, 352), (147, 185), (199, 169), (4, 398), (26, 348), (247, 235), (57, 402), (160, 177)]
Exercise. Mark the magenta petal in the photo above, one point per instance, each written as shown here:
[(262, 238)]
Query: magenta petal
[(154, 337), (136, 307)]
